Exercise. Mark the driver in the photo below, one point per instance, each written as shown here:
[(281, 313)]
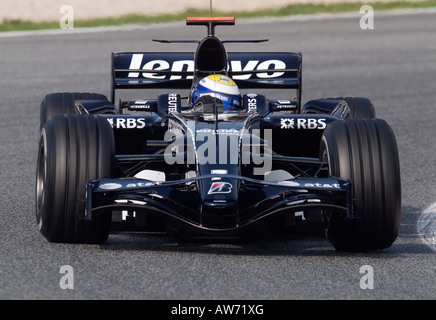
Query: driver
[(220, 88)]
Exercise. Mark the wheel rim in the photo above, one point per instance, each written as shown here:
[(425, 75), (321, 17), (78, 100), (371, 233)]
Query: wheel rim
[(40, 182)]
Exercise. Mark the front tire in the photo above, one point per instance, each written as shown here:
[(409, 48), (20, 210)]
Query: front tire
[(63, 103), (360, 108), (72, 150), (364, 151)]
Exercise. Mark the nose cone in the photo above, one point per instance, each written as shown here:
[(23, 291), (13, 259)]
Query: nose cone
[(219, 214), (218, 155), (219, 193), (219, 202)]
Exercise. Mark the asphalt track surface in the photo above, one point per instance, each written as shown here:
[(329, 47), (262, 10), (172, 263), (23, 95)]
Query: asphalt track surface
[(394, 65)]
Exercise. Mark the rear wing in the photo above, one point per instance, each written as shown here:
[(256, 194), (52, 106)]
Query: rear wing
[(176, 70)]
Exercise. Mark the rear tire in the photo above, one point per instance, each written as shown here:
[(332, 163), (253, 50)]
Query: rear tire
[(63, 103), (72, 150), (364, 151)]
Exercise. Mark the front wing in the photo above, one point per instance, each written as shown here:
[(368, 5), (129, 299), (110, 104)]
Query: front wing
[(176, 202)]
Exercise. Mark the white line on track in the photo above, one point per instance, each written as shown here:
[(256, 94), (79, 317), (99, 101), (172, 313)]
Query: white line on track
[(311, 17), (427, 226)]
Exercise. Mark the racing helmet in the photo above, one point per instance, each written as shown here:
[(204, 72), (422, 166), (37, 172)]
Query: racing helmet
[(220, 87)]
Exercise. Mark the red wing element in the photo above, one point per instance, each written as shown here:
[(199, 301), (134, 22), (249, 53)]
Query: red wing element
[(210, 22), (203, 20)]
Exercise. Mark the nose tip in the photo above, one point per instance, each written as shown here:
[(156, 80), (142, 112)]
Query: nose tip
[(219, 213)]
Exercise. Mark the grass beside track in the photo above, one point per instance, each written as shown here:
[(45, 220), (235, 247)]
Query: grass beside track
[(290, 10)]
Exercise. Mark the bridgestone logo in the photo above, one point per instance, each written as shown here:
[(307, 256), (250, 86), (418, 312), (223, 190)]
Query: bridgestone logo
[(220, 187)]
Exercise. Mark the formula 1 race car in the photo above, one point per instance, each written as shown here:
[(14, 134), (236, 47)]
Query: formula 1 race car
[(223, 160)]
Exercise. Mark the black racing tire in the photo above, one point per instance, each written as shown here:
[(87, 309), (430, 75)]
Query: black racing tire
[(63, 103), (72, 150), (360, 108), (364, 151)]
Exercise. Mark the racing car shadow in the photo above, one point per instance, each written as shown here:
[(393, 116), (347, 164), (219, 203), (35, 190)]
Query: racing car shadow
[(307, 237), (304, 239)]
